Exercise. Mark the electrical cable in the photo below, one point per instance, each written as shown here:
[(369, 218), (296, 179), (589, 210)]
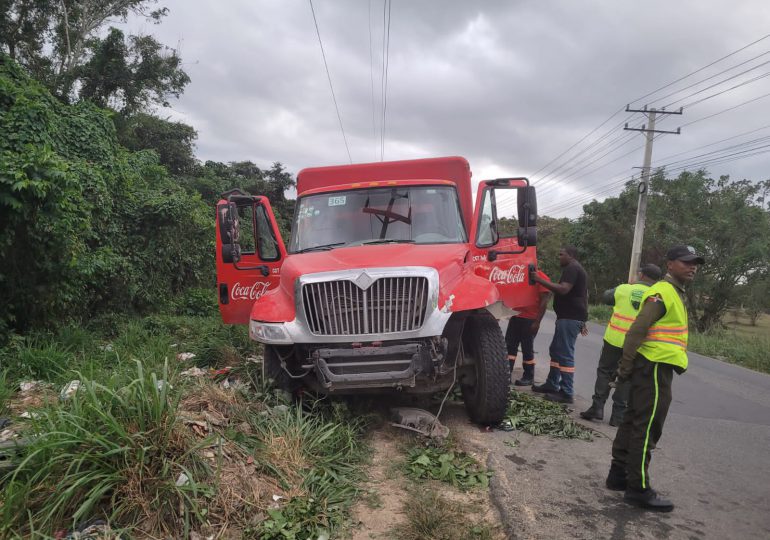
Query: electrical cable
[(328, 76), (371, 77)]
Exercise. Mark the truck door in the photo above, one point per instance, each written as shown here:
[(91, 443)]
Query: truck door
[(249, 254), (504, 237)]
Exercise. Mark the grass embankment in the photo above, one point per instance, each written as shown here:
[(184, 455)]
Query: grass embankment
[(738, 342), (157, 454)]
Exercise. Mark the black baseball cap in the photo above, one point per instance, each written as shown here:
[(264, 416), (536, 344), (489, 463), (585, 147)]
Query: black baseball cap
[(652, 271), (684, 253)]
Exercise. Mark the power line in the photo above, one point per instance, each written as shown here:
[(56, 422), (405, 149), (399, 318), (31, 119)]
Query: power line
[(744, 83), (385, 63), (328, 76), (675, 92), (578, 142), (652, 93), (371, 77), (726, 110), (702, 68), (716, 160), (716, 142)]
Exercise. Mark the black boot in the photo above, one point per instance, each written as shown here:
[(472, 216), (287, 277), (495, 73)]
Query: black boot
[(648, 499), (616, 420), (527, 378), (616, 479), (561, 397), (594, 412), (544, 388)]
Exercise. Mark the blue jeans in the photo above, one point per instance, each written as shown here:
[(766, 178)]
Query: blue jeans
[(562, 352)]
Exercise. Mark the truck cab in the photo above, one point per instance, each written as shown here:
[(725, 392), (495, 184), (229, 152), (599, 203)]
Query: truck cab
[(392, 279)]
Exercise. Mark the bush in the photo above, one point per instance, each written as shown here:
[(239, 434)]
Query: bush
[(86, 226), (114, 453)]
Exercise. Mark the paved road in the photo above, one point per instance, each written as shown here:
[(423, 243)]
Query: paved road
[(713, 460)]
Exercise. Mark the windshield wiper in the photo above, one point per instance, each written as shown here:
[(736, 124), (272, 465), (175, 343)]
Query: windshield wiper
[(322, 247), (389, 241)]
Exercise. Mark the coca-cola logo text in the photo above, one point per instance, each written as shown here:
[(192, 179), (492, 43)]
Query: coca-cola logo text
[(515, 274), (249, 292)]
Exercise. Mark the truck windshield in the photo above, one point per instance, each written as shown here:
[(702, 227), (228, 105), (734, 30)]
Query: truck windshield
[(413, 214)]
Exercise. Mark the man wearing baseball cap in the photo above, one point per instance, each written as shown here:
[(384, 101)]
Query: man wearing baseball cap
[(654, 348)]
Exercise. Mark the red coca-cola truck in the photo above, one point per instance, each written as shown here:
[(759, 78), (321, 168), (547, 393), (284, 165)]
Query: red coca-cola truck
[(391, 280)]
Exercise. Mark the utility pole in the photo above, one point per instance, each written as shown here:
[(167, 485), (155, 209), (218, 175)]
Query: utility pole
[(644, 185)]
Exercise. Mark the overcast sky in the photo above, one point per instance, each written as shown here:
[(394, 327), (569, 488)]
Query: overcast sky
[(509, 85)]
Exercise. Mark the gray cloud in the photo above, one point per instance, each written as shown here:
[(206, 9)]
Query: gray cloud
[(509, 85)]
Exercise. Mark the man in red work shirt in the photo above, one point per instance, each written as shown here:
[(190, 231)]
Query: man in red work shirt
[(522, 329)]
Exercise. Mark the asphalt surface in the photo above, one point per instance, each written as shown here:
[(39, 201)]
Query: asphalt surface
[(713, 460)]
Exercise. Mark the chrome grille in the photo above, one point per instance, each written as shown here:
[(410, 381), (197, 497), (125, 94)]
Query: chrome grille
[(388, 305)]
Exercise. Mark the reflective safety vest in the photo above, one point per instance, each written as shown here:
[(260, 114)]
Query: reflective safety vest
[(628, 301), (666, 340)]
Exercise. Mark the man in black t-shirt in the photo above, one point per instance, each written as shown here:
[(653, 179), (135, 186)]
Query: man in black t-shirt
[(571, 306)]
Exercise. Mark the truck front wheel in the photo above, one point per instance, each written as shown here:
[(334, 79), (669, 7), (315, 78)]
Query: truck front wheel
[(485, 392), (273, 371)]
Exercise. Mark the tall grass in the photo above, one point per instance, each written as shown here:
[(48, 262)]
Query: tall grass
[(737, 347), (5, 393), (599, 313), (114, 452), (316, 454), (752, 352)]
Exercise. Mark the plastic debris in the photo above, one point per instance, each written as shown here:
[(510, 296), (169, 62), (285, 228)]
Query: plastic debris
[(193, 372), (182, 480), (161, 385), (27, 414), (69, 390), (185, 356), (106, 348), (29, 386)]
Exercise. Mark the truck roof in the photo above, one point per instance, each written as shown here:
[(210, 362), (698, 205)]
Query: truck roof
[(454, 169)]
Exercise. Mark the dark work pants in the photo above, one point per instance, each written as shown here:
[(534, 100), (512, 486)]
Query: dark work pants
[(518, 333), (605, 371), (649, 399)]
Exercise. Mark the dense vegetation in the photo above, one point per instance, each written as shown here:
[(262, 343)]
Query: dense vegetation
[(728, 221)]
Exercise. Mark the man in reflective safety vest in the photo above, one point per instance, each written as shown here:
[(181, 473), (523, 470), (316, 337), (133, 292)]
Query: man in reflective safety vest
[(626, 300), (655, 347)]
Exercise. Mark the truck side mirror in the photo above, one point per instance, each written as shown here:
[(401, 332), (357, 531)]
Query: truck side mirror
[(527, 236), (526, 200)]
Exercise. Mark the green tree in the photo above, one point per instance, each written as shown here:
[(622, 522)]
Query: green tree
[(726, 220), (59, 43), (552, 234), (173, 141)]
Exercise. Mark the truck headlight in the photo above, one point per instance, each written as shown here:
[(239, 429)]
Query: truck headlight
[(268, 332)]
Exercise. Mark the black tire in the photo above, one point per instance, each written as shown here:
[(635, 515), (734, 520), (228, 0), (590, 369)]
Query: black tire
[(487, 397), (274, 373)]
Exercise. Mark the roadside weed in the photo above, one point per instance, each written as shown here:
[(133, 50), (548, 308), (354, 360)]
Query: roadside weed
[(114, 452), (540, 417), (431, 516), (446, 465), (316, 454)]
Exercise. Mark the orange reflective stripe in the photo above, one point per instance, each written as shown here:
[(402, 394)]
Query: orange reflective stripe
[(511, 357), (619, 329), (666, 335), (623, 317), (567, 369), (670, 342), (529, 362), (671, 329), (554, 364)]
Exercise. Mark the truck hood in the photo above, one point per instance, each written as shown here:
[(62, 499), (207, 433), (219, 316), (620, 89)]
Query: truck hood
[(447, 259)]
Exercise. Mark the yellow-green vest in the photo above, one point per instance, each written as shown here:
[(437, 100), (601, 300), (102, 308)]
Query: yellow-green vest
[(666, 340), (624, 313)]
